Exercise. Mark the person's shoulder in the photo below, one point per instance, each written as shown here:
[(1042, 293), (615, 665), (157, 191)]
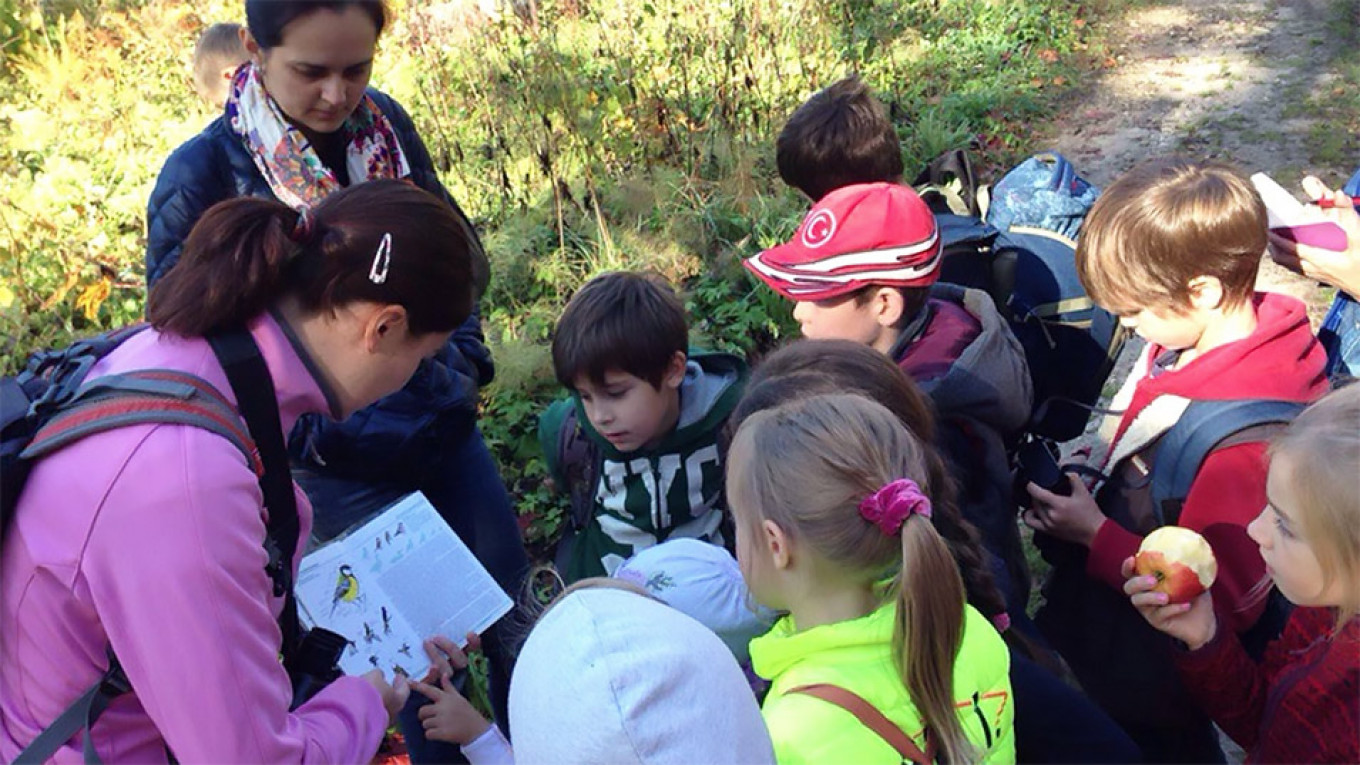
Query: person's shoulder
[(391, 108), (807, 729), (203, 147), (554, 417), (1313, 622), (198, 161), (988, 657)]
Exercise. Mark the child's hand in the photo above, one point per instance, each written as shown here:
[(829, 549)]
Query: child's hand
[(450, 718), (1074, 518), (394, 696), (1191, 623), (446, 658)]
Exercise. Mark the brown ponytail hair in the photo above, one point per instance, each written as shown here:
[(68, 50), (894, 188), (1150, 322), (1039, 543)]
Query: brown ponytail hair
[(807, 465), (245, 254)]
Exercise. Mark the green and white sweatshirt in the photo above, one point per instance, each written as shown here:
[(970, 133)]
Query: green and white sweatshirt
[(644, 497)]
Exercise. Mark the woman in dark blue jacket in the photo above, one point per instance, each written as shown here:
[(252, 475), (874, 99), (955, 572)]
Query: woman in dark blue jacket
[(301, 122)]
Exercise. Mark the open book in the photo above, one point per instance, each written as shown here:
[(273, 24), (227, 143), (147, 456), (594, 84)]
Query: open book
[(387, 585), (1304, 224)]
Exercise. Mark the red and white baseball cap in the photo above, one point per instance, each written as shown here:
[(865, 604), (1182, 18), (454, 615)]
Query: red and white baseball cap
[(856, 236)]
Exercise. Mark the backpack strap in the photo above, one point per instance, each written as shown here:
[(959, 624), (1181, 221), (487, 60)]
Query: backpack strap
[(170, 396), (80, 715), (59, 373), (872, 719), (578, 459), (250, 380), (145, 396), (950, 179), (1204, 427)]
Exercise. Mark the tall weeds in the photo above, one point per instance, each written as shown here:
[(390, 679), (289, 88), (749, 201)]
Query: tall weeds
[(582, 135)]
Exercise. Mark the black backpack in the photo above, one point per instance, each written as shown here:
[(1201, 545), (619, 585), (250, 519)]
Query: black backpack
[(1017, 243), (48, 406)]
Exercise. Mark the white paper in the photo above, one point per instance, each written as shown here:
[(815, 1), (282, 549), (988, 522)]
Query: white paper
[(1282, 209), (393, 582)]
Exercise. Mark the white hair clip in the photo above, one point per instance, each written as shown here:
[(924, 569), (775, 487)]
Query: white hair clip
[(382, 260)]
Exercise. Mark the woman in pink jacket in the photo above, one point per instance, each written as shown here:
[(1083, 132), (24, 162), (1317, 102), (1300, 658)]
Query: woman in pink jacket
[(149, 538)]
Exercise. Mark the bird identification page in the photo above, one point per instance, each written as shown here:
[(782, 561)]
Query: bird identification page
[(392, 582)]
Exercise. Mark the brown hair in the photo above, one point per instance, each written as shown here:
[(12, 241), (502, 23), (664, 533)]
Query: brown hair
[(245, 254), (1322, 447), (1166, 222), (623, 320), (806, 368), (218, 47), (806, 466), (840, 136)]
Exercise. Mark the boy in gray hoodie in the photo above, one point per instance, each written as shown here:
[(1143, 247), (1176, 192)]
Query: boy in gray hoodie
[(636, 443)]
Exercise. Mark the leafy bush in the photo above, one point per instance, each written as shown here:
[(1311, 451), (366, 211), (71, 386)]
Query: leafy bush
[(584, 137)]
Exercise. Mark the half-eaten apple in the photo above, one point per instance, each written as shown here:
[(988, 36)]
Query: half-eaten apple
[(1180, 559)]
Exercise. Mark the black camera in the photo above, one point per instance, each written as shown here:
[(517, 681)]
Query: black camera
[(1037, 461), (316, 663)]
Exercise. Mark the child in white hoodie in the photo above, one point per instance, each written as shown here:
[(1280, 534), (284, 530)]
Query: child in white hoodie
[(610, 674)]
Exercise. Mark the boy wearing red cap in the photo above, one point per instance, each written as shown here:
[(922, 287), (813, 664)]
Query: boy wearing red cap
[(863, 266)]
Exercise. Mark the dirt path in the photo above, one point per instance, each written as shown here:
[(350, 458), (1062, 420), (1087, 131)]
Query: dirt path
[(1224, 79)]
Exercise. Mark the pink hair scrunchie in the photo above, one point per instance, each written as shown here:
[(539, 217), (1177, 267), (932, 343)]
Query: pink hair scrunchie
[(889, 507)]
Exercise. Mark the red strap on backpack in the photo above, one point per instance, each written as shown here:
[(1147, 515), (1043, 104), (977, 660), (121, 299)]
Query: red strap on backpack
[(171, 397), (871, 718)]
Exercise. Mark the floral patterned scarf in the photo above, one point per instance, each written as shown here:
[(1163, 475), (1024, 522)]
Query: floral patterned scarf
[(286, 158)]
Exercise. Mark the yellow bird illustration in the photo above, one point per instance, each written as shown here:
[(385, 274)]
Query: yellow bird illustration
[(346, 588)]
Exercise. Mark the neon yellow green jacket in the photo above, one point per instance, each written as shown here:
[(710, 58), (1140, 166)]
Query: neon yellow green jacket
[(856, 655)]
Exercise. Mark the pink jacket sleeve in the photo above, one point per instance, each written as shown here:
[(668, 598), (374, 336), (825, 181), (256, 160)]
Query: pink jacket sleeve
[(175, 567)]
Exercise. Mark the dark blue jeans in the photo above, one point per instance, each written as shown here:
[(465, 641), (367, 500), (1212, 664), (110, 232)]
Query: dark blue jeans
[(1340, 335), (466, 488)]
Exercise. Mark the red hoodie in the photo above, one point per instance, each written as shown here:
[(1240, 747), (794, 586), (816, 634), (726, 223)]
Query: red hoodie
[(1281, 359)]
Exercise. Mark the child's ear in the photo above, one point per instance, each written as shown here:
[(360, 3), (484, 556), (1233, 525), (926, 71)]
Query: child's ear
[(778, 544), (675, 371), (887, 305), (1206, 292), (248, 41)]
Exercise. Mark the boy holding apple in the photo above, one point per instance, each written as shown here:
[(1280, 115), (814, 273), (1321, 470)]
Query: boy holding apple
[(1172, 248)]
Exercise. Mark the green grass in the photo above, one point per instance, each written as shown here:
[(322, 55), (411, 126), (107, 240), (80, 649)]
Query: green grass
[(602, 135), (1334, 138)]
